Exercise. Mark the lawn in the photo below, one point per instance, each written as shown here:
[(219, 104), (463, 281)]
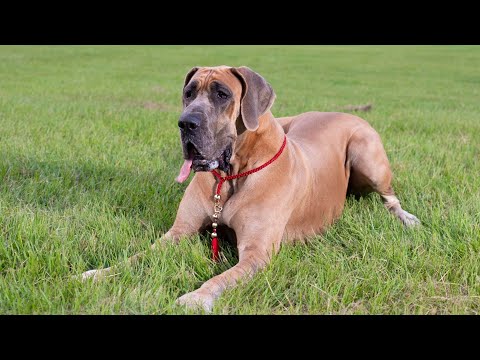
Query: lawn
[(89, 149)]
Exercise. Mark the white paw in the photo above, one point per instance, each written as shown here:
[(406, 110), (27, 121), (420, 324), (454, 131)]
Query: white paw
[(88, 274), (195, 300), (95, 274), (408, 219)]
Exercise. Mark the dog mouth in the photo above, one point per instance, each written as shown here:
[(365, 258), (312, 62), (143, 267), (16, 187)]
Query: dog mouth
[(196, 161)]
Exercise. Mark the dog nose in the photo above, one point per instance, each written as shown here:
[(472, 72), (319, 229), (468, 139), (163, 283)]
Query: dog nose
[(189, 122)]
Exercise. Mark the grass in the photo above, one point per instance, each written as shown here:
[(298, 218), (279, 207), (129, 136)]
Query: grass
[(89, 149)]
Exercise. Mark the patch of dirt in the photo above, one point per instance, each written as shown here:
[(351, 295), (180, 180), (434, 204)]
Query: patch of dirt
[(351, 308), (365, 108)]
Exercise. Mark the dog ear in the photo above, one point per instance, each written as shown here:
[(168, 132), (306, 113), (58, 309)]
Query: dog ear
[(257, 96), (190, 75)]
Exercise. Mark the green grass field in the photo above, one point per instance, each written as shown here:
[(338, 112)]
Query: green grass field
[(89, 149)]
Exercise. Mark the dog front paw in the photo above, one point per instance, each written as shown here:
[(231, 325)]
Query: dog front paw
[(197, 300), (95, 275)]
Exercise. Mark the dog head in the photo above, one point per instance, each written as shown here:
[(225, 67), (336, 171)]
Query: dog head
[(219, 103)]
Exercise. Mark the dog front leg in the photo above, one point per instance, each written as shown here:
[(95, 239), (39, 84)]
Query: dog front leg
[(191, 217), (98, 274), (254, 254)]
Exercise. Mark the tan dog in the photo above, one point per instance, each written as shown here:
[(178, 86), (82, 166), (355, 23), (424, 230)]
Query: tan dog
[(227, 125)]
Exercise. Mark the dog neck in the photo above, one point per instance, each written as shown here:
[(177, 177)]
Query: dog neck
[(253, 148)]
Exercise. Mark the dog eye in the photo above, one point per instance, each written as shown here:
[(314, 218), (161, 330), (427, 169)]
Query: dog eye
[(188, 93), (222, 95)]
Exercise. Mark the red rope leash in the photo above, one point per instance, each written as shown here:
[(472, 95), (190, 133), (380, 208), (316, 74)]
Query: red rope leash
[(221, 180)]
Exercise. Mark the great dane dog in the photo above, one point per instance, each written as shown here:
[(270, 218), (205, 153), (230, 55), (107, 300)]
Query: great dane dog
[(227, 126)]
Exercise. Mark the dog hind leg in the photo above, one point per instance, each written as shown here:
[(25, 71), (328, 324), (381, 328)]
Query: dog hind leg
[(370, 171)]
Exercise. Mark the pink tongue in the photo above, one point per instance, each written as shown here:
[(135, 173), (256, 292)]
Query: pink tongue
[(184, 171)]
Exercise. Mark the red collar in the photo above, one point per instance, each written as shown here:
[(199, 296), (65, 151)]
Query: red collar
[(222, 179)]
